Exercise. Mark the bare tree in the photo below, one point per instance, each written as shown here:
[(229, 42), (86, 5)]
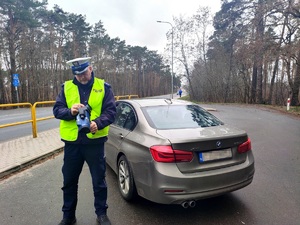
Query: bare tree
[(17, 15)]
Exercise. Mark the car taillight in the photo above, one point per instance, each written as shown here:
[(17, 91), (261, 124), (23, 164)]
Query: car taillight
[(245, 147), (166, 154)]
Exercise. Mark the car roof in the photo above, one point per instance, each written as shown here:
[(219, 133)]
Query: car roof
[(144, 102)]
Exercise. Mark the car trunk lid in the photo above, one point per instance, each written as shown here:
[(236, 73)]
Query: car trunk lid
[(212, 147)]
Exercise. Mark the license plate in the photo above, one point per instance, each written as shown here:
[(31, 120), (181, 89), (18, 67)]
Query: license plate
[(215, 155)]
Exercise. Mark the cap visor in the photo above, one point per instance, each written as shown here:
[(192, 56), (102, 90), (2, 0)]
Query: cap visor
[(80, 72)]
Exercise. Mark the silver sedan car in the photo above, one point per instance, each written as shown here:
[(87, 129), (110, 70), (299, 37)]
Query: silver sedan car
[(176, 152)]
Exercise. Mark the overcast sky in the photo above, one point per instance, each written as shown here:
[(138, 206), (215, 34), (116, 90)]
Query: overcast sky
[(134, 21)]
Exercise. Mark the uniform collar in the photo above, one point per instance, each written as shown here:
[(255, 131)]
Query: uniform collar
[(90, 83)]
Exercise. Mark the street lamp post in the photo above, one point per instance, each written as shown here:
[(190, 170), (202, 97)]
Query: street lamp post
[(172, 75)]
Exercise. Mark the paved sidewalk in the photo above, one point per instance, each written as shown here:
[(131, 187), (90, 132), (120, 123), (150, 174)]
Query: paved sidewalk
[(19, 153)]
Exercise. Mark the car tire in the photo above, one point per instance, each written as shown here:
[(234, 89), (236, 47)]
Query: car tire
[(125, 180)]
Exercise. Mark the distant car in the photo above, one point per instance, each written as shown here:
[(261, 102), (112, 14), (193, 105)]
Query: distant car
[(176, 152)]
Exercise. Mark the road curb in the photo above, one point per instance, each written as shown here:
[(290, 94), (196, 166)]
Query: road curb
[(20, 167)]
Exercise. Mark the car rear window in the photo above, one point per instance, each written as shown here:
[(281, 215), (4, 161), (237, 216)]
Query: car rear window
[(179, 117)]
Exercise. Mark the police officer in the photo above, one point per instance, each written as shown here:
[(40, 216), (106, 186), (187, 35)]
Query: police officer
[(84, 146)]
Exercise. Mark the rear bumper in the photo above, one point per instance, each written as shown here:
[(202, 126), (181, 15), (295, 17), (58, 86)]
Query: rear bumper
[(167, 185)]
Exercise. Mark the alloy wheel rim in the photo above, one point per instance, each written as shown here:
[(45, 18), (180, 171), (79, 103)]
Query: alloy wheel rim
[(123, 177)]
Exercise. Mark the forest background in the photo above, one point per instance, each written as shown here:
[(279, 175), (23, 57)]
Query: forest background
[(252, 55)]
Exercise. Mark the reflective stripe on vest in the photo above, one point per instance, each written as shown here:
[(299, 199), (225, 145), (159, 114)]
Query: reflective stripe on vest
[(69, 129)]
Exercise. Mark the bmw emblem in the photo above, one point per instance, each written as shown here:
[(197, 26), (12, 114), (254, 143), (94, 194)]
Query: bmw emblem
[(218, 144)]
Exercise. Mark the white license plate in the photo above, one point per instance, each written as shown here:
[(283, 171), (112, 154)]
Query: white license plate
[(215, 155)]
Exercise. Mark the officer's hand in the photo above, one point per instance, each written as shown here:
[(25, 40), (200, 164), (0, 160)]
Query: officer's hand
[(93, 127), (75, 107)]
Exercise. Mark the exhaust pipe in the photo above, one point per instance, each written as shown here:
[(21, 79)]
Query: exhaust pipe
[(185, 204), (192, 204)]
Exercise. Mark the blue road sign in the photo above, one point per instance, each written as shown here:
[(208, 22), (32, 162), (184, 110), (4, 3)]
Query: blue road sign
[(16, 81)]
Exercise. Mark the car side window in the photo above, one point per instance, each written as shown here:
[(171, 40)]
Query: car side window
[(130, 121), (125, 116)]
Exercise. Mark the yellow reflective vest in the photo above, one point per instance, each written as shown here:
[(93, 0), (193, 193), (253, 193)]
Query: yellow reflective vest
[(69, 129)]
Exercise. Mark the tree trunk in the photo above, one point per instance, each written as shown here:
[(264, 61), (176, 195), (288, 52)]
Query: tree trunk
[(12, 57), (2, 92), (259, 81), (259, 40), (254, 83), (295, 87), (275, 69)]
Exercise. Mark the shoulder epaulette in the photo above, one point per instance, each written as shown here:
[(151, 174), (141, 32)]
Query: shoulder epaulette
[(107, 85)]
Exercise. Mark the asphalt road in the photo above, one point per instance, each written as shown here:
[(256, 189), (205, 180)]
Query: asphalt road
[(24, 114), (34, 196)]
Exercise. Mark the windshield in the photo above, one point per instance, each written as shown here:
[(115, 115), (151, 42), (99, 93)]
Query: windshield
[(179, 117)]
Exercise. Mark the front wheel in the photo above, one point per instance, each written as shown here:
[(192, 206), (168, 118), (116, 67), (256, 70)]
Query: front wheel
[(125, 179)]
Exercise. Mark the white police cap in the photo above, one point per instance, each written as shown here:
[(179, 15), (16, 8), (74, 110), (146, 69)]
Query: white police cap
[(79, 65)]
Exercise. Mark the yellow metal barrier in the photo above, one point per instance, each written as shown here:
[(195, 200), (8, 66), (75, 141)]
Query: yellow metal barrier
[(133, 96), (126, 97), (33, 115), (13, 105), (33, 112)]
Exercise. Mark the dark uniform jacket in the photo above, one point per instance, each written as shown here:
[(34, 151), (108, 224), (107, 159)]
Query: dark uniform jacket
[(62, 112)]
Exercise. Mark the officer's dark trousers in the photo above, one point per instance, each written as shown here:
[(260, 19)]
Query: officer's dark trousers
[(74, 157)]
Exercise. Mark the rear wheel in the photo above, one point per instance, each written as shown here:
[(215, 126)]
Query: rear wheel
[(125, 179)]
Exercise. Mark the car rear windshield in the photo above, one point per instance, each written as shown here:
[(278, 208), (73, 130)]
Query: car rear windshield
[(179, 117)]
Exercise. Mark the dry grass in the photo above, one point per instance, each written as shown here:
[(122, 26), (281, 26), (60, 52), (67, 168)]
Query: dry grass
[(293, 111)]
